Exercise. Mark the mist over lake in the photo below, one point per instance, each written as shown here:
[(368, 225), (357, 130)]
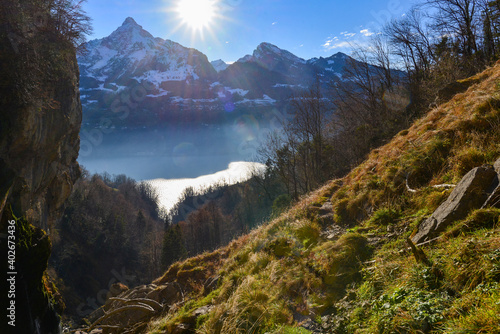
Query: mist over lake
[(172, 159), (173, 152)]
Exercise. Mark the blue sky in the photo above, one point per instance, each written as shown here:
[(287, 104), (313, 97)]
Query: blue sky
[(306, 28)]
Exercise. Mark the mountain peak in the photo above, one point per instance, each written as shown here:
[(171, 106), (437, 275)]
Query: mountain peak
[(340, 55), (268, 46), (129, 22), (130, 25), (265, 48), (127, 35), (219, 65)]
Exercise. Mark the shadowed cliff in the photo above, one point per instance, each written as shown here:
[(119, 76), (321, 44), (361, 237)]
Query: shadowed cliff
[(40, 117)]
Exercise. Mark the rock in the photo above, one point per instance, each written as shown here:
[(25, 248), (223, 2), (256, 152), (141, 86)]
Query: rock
[(496, 166), (470, 193), (182, 329), (494, 199), (141, 291), (327, 208), (202, 311), (40, 118), (447, 93), (333, 232), (116, 289), (165, 294), (127, 315), (325, 214)]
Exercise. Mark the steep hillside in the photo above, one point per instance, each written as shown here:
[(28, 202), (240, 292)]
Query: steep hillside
[(343, 260)]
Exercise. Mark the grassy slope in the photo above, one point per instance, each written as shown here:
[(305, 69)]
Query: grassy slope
[(366, 280)]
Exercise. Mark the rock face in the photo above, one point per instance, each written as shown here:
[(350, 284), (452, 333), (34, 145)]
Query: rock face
[(40, 117), (39, 138), (474, 191)]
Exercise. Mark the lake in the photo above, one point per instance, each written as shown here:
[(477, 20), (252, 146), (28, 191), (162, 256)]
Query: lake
[(170, 190), (174, 159)]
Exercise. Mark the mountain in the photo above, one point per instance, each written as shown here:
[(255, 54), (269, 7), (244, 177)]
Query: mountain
[(219, 65), (131, 59), (131, 74)]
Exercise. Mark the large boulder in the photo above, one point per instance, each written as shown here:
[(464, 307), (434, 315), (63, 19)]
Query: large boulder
[(471, 193)]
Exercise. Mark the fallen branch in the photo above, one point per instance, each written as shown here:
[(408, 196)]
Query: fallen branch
[(407, 186), (418, 253), (149, 302), (437, 186)]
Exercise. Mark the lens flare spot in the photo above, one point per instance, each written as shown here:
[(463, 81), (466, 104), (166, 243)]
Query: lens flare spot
[(247, 127), (184, 153)]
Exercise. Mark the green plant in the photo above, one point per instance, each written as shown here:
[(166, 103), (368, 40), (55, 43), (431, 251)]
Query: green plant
[(385, 216)]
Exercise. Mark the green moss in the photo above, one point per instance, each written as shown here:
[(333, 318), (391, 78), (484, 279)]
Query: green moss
[(280, 246), (33, 249)]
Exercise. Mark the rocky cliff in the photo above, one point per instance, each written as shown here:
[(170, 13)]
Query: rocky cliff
[(40, 117)]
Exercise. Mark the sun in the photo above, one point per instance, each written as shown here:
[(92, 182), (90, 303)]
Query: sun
[(197, 14)]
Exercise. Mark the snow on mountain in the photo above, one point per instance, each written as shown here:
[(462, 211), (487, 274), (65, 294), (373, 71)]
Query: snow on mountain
[(130, 52), (219, 65)]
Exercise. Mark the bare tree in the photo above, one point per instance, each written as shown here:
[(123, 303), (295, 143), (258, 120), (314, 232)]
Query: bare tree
[(459, 20), (70, 20), (370, 105), (411, 40)]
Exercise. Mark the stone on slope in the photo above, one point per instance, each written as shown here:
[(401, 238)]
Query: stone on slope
[(471, 193)]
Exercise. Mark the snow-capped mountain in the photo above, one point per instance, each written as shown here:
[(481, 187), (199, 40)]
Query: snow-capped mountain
[(148, 79), (132, 55), (219, 65)]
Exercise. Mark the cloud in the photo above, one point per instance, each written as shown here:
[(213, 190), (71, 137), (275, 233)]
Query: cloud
[(348, 34), (366, 32), (331, 44), (274, 23)]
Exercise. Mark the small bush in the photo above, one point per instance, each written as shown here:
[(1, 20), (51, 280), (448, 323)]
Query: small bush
[(308, 233), (385, 216), (349, 211), (339, 263)]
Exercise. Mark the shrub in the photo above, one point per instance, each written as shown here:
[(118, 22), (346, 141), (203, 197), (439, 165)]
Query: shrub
[(385, 216)]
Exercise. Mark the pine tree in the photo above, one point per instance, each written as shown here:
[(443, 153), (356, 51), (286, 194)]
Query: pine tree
[(173, 245)]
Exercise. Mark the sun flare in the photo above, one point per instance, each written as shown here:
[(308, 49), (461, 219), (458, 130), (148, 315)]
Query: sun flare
[(197, 14)]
